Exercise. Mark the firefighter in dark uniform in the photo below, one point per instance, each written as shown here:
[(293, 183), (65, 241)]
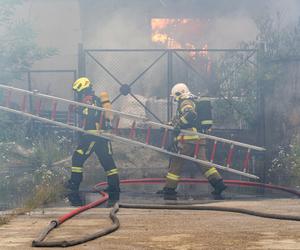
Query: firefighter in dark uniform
[(90, 143), (190, 113)]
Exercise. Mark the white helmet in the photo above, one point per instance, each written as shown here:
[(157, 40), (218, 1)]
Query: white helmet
[(180, 90)]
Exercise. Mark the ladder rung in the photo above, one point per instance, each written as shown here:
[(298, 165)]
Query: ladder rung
[(196, 150), (38, 106), (229, 157), (213, 152), (164, 138), (246, 161), (116, 128), (148, 135), (53, 112), (23, 106), (70, 111), (132, 133), (101, 120), (8, 99)]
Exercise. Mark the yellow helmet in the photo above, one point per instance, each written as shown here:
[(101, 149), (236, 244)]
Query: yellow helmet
[(81, 84)]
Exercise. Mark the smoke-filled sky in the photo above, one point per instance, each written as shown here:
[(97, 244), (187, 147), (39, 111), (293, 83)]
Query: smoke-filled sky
[(126, 24)]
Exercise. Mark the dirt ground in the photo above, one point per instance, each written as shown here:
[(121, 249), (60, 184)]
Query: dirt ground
[(165, 229)]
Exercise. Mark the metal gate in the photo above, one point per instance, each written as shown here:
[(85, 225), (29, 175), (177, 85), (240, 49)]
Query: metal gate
[(140, 75)]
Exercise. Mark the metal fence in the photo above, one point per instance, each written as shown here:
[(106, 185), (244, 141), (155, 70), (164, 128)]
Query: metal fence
[(140, 80)]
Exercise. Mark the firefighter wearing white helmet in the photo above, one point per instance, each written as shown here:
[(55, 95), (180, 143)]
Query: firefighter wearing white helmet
[(90, 143), (180, 91), (189, 115)]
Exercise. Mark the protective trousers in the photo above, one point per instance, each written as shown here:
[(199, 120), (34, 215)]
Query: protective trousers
[(102, 147), (176, 164)]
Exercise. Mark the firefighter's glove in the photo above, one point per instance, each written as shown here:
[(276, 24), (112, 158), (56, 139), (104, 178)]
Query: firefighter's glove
[(176, 126), (172, 146), (176, 131), (108, 124), (169, 123)]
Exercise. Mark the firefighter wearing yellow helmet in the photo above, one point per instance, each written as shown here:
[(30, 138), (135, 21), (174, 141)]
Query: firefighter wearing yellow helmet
[(192, 114), (90, 143)]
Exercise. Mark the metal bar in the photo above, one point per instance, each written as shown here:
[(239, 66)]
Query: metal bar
[(38, 105), (149, 67), (108, 136), (169, 84), (189, 65), (116, 127), (158, 50), (140, 118), (53, 112), (213, 152), (148, 134), (229, 157), (145, 107), (36, 93), (70, 110), (196, 151), (132, 133), (30, 89), (8, 99), (246, 161), (23, 107), (211, 137), (50, 71), (105, 69), (164, 139), (116, 98), (81, 61), (74, 97), (101, 120)]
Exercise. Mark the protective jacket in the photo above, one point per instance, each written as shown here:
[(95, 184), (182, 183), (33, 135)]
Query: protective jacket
[(91, 117), (193, 114)]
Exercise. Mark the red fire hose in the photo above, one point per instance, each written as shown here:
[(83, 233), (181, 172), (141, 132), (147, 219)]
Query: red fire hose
[(115, 222)]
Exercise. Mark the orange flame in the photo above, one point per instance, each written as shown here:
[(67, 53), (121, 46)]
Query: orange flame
[(173, 34)]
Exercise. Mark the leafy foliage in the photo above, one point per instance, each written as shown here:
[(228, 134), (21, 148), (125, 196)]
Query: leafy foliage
[(237, 91), (285, 169), (238, 76), (36, 174)]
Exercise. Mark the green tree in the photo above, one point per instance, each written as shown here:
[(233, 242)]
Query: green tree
[(238, 76)]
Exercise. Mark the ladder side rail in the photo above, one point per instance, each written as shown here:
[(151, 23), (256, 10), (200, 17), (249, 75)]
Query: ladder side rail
[(106, 135), (246, 161), (211, 137), (36, 93), (144, 119)]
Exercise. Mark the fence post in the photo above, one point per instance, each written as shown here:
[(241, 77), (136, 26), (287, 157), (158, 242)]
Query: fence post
[(30, 89), (169, 85), (81, 61), (260, 118)]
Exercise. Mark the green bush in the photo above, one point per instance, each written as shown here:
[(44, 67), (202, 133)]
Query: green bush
[(285, 169)]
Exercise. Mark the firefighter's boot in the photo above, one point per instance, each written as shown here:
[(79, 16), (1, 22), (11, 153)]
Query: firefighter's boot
[(113, 190), (219, 187), (114, 197), (72, 187), (168, 193)]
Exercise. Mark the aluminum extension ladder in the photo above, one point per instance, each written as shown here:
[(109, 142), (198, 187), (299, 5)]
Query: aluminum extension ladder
[(114, 134)]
